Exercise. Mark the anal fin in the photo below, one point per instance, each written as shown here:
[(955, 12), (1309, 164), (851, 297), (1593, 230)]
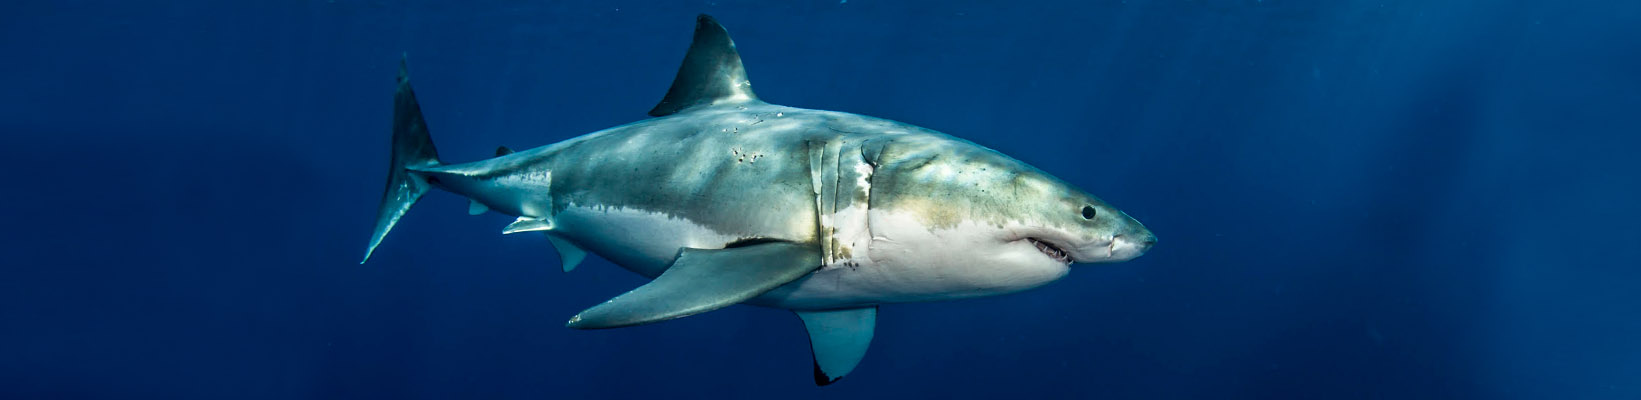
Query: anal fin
[(838, 339), (704, 280), (476, 208)]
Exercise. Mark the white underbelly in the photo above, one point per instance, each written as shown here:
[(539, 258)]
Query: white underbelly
[(898, 260), (877, 257), (642, 241)]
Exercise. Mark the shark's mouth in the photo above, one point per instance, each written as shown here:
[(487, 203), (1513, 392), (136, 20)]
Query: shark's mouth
[(1051, 251)]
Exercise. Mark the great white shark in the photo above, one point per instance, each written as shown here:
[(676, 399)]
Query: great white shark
[(724, 199)]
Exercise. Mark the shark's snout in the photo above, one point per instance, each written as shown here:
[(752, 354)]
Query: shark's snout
[(1130, 245)]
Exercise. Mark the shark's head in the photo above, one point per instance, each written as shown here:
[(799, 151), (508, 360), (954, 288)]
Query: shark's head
[(987, 221), (1074, 226)]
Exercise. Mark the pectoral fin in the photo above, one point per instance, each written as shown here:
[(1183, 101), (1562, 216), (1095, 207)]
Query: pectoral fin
[(568, 254), (704, 280), (839, 339)]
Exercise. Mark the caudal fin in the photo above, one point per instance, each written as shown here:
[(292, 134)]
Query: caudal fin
[(412, 149)]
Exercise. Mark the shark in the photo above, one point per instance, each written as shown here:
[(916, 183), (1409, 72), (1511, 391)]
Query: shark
[(721, 199)]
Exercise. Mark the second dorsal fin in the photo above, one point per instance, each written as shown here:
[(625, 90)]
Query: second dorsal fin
[(711, 74)]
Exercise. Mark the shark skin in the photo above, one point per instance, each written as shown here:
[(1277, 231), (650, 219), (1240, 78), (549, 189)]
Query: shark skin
[(725, 199)]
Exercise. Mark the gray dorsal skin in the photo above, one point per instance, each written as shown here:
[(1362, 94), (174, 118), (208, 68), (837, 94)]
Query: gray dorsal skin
[(704, 280), (712, 73), (838, 339), (569, 255)]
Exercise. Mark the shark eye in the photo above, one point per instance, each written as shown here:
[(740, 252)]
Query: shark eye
[(1088, 212)]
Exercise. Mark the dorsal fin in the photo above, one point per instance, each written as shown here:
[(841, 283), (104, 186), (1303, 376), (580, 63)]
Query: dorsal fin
[(502, 151), (711, 74)]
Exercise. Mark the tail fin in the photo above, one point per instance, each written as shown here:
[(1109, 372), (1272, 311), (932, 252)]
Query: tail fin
[(412, 148)]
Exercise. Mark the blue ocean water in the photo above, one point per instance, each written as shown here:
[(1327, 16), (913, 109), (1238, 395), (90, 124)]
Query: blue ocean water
[(1355, 199)]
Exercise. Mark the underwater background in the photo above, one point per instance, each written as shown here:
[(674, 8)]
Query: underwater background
[(1354, 199)]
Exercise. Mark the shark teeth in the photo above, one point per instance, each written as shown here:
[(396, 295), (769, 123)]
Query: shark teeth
[(1051, 251)]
